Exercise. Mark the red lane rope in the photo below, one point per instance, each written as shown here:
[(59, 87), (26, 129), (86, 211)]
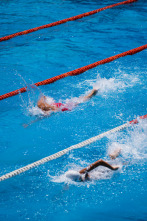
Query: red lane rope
[(76, 71), (136, 120), (5, 38)]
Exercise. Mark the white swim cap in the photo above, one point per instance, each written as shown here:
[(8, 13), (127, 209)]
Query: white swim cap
[(74, 175)]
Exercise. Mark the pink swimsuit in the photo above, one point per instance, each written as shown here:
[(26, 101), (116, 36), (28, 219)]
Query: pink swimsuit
[(63, 107)]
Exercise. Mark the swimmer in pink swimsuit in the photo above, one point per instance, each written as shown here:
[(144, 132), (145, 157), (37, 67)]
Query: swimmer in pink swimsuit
[(49, 108), (61, 106), (46, 107)]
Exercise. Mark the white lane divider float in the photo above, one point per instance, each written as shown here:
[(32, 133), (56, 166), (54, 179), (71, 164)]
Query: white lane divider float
[(63, 152)]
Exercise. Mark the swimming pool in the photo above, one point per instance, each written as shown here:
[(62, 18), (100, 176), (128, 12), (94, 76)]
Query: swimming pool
[(43, 193)]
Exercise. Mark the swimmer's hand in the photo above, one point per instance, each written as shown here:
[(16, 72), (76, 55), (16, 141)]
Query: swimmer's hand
[(95, 91), (113, 157), (115, 153), (115, 168), (33, 121), (37, 119), (25, 125), (90, 95)]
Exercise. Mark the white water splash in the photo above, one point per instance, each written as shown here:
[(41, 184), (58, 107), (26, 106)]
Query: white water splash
[(62, 178), (133, 143), (114, 84), (35, 111), (49, 100)]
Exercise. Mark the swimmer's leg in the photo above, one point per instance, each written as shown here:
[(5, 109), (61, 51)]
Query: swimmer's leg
[(96, 164)]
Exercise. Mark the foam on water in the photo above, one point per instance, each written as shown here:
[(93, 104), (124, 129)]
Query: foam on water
[(35, 111), (28, 104), (115, 84), (49, 100), (62, 178), (133, 143), (118, 83)]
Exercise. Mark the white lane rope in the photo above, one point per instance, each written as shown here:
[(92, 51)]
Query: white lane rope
[(63, 152)]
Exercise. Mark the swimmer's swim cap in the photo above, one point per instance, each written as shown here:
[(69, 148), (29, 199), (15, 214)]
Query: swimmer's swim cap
[(74, 175)]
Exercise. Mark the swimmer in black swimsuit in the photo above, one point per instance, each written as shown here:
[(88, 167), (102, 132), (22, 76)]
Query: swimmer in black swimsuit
[(94, 165), (83, 175)]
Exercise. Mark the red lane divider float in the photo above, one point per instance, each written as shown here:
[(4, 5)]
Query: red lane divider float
[(76, 71), (136, 120), (5, 38)]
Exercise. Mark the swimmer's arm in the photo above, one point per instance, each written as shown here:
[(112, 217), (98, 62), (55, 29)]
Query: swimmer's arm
[(96, 164), (82, 99), (90, 95), (38, 119), (31, 122)]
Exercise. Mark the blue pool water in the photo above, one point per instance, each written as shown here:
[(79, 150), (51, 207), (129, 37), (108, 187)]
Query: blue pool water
[(44, 193)]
